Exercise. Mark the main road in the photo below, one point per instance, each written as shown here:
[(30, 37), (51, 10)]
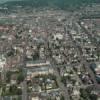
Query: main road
[(83, 60)]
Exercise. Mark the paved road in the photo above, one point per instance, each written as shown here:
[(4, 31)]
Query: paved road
[(83, 60), (61, 85), (24, 90), (97, 45)]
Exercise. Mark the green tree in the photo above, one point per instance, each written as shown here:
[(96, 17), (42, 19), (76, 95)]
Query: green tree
[(20, 77), (8, 76), (84, 94), (93, 97), (63, 80), (62, 98)]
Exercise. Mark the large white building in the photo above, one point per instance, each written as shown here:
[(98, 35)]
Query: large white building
[(39, 71), (2, 62)]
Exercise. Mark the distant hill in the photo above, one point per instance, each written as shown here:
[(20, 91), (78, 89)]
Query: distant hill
[(62, 4), (3, 1)]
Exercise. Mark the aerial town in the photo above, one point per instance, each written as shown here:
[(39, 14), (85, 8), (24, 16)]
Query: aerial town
[(50, 54)]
